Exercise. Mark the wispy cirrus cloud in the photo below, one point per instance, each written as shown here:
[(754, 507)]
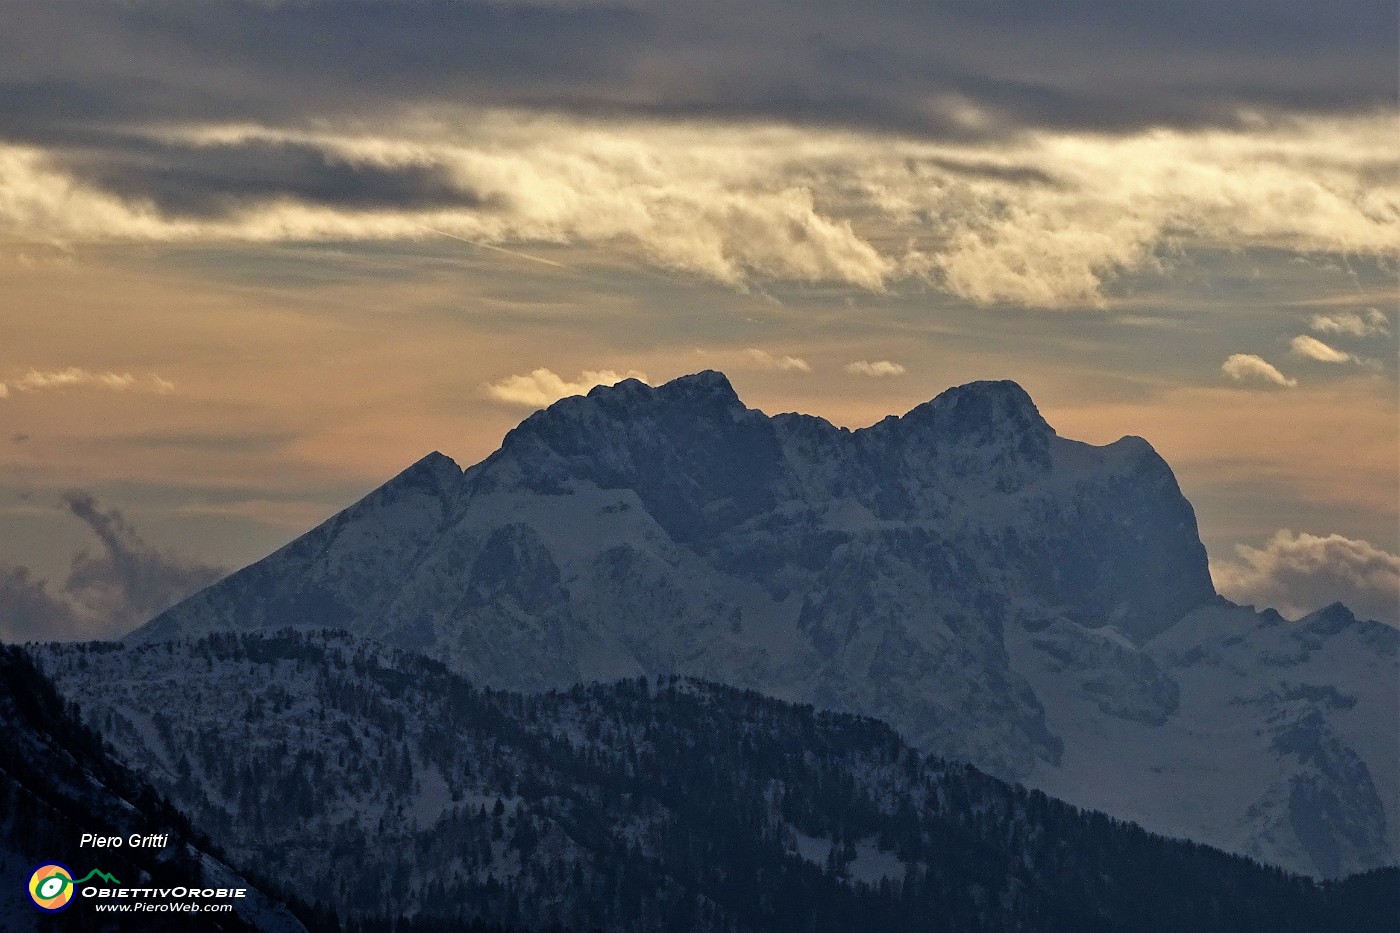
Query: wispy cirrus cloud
[(781, 362), (1247, 367), (36, 380), (65, 378), (876, 368)]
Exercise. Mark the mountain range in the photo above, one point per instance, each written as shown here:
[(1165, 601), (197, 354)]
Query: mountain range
[(1034, 605)]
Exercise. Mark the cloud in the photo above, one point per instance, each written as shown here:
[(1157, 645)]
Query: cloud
[(128, 581), (876, 368), (108, 592), (1349, 323), (1298, 573), (765, 360), (934, 70), (60, 379), (222, 176), (1007, 152), (1314, 349), (1246, 367), (1045, 220), (543, 387), (36, 381), (31, 611)]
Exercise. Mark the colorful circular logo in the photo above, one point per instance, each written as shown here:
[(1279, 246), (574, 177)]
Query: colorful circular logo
[(51, 887)]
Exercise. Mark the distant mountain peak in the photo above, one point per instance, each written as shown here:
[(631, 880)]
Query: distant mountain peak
[(632, 401), (982, 410), (1330, 619), (435, 474), (1002, 391), (436, 462), (626, 387), (1336, 610), (707, 382), (708, 388)]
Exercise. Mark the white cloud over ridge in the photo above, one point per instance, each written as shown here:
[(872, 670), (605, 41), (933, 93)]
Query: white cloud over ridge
[(1297, 573), (542, 387), (1046, 220), (1246, 367), (876, 368)]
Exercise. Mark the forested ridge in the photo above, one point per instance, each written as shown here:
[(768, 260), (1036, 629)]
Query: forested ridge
[(383, 787)]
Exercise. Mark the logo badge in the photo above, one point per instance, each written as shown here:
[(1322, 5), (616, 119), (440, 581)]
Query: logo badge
[(51, 887)]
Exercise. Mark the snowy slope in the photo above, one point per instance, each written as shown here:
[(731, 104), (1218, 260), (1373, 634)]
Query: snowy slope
[(1270, 738), (996, 592)]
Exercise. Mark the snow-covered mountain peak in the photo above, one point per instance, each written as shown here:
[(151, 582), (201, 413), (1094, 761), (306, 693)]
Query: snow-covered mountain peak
[(436, 470), (1329, 620), (980, 412), (979, 435), (433, 481), (699, 460), (634, 415), (707, 385), (701, 394)]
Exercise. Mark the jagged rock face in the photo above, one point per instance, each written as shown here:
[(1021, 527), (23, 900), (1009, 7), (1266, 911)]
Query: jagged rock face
[(894, 571)]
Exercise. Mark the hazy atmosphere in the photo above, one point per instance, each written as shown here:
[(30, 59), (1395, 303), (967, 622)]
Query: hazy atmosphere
[(258, 256)]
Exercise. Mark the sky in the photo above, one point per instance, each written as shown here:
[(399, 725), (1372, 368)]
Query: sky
[(257, 256)]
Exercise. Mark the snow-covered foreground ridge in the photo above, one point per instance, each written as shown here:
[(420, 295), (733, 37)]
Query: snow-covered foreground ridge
[(1032, 604)]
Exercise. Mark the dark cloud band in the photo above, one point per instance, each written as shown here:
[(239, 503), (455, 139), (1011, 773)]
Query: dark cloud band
[(205, 181), (893, 65)]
